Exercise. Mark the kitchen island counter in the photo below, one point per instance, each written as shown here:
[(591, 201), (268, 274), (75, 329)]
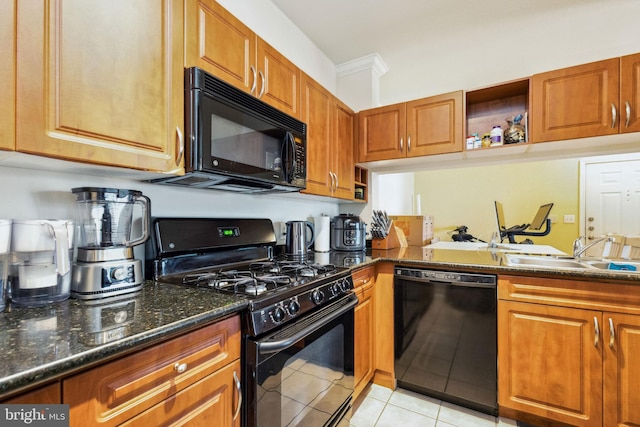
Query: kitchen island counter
[(45, 343), (485, 260)]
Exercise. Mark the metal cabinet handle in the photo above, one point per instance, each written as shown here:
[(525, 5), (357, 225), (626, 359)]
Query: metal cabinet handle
[(180, 141), (239, 390), (409, 143), (180, 367), (627, 109), (255, 80), (333, 180), (614, 116), (401, 144), (335, 187), (612, 333), (597, 336), (264, 81)]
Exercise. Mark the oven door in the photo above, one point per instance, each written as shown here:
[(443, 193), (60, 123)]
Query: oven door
[(302, 375)]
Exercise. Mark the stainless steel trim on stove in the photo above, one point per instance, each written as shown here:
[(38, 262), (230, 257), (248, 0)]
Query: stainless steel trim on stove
[(294, 333)]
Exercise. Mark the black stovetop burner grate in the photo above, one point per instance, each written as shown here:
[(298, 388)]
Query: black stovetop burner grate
[(295, 269), (259, 277)]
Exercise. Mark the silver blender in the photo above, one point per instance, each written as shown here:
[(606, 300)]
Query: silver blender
[(105, 264)]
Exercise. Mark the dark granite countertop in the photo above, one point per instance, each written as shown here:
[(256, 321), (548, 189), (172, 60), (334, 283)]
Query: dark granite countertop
[(42, 344)]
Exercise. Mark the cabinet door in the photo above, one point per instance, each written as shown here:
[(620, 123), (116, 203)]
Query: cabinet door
[(364, 330), (316, 113), (220, 44), (550, 362), (630, 93), (7, 75), (434, 125), (101, 82), (575, 102), (278, 80), (342, 152), (382, 133), (622, 370)]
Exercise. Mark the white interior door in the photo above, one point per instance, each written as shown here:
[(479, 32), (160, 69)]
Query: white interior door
[(612, 199)]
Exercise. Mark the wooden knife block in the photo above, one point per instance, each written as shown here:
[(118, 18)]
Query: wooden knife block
[(395, 239)]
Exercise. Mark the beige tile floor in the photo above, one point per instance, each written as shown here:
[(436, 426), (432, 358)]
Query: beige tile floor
[(382, 407)]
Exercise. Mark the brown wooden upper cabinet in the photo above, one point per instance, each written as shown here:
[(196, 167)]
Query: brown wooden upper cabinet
[(599, 98), (330, 142), (432, 125), (7, 76), (101, 82), (220, 44)]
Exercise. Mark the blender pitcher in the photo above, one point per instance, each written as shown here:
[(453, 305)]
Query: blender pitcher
[(105, 265), (106, 217)]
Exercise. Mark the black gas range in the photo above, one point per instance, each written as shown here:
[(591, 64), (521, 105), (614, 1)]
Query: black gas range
[(300, 313)]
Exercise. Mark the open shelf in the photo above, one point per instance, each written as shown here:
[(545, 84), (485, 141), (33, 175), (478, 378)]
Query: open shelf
[(361, 178), (491, 106)]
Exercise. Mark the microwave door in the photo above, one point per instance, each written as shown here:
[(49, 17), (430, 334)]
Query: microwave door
[(289, 157)]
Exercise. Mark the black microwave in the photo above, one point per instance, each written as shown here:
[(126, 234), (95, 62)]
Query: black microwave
[(236, 142)]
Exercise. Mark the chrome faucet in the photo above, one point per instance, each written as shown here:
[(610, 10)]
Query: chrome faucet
[(579, 248)]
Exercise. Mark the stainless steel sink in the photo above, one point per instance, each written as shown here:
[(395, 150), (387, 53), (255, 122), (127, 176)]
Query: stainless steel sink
[(564, 263), (544, 262)]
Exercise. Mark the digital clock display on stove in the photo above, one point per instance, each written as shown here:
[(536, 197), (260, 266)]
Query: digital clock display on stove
[(228, 231)]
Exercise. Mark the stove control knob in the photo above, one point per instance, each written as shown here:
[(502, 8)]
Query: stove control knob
[(278, 314), (317, 296), (293, 307)]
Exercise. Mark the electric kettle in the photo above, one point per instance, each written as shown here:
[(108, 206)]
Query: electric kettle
[(297, 244)]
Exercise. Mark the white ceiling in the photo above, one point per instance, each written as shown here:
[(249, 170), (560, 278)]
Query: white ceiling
[(349, 29)]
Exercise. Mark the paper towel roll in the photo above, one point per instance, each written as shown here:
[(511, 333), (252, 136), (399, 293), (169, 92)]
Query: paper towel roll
[(322, 258), (323, 234)]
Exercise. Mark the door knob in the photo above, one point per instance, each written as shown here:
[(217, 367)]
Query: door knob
[(590, 219)]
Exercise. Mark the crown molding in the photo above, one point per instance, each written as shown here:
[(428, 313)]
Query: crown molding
[(371, 62)]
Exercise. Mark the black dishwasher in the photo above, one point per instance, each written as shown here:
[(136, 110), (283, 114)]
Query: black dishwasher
[(445, 327)]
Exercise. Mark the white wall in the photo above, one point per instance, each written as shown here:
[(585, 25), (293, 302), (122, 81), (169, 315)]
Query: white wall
[(394, 193), (527, 40)]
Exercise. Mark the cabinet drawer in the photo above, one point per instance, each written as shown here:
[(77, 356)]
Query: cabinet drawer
[(211, 401), (590, 295), (117, 391), (363, 277)]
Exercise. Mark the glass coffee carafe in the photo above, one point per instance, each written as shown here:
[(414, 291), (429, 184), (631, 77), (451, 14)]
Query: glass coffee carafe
[(105, 264)]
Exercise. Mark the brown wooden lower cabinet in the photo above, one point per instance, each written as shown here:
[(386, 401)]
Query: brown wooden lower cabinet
[(363, 281), (563, 358), (189, 380), (42, 395)]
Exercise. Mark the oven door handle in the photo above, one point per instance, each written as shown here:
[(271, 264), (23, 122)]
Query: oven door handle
[(275, 346)]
